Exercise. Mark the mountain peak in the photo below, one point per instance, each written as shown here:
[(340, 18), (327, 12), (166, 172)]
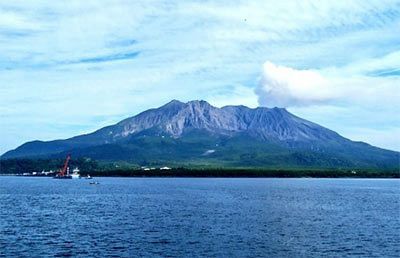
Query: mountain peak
[(198, 103), (196, 126), (192, 103), (174, 102)]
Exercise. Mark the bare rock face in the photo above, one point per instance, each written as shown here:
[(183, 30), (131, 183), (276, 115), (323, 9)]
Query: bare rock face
[(176, 117), (194, 130)]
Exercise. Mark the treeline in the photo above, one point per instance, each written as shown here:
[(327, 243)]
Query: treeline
[(19, 166), (92, 167), (251, 172)]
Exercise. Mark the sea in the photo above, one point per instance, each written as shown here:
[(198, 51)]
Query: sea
[(199, 217)]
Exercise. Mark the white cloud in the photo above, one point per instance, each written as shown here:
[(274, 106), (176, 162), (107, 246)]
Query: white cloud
[(348, 99), (287, 87), (209, 50), (284, 86)]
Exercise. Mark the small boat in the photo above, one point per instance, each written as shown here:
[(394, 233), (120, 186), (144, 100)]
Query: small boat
[(94, 183), (88, 177)]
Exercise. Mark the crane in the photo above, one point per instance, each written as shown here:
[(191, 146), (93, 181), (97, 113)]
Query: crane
[(62, 174), (64, 169)]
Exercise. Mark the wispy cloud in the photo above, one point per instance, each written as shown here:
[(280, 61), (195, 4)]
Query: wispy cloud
[(83, 60), (107, 58), (65, 62), (386, 72)]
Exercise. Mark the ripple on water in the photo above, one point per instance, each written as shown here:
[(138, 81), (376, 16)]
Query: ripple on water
[(199, 217)]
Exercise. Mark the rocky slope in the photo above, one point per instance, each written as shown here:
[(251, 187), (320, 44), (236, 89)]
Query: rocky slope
[(200, 133)]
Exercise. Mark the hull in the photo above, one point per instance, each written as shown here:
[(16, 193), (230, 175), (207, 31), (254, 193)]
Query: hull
[(62, 177)]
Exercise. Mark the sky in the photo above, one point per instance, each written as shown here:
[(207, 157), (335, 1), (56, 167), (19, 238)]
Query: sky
[(71, 67)]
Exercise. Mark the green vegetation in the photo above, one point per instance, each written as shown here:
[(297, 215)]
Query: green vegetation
[(203, 149), (94, 168), (252, 172), (19, 166)]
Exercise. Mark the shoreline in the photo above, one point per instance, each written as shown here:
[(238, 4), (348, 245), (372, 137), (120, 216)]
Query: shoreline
[(216, 177), (235, 173)]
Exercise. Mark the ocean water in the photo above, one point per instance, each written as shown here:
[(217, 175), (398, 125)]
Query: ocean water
[(199, 217)]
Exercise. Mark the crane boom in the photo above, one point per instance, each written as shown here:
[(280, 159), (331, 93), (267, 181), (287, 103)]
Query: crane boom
[(64, 169)]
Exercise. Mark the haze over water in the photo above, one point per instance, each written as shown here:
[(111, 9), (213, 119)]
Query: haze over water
[(199, 217)]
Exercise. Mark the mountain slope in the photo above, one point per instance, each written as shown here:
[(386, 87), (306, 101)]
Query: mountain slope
[(199, 133)]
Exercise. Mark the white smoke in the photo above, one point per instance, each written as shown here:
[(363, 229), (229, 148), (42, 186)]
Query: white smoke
[(282, 86)]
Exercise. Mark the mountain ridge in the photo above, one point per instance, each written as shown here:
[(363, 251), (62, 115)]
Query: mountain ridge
[(196, 123)]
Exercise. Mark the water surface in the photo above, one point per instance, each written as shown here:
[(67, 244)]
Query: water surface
[(213, 217)]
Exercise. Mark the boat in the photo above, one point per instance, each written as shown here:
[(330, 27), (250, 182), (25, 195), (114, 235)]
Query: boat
[(62, 177), (88, 177), (75, 173), (64, 172), (94, 183)]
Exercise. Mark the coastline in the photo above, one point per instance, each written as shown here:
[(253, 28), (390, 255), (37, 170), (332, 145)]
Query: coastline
[(240, 173)]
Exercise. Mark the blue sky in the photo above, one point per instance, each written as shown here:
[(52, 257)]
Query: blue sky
[(70, 67)]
